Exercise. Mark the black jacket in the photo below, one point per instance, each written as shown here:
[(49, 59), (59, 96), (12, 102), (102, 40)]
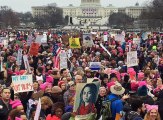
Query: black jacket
[(4, 110)]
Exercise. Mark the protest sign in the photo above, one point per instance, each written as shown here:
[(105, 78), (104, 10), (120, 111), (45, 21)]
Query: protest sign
[(90, 80), (106, 38), (95, 66), (41, 39), (1, 64), (63, 60), (120, 38), (29, 40), (87, 40), (38, 109), (20, 43), (26, 63), (132, 59), (74, 43), (19, 56), (22, 83), (136, 41), (34, 49), (81, 100)]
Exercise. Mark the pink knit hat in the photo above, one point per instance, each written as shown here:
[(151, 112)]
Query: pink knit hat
[(15, 103), (134, 86), (140, 76), (110, 84), (151, 107), (45, 85), (142, 83), (49, 79)]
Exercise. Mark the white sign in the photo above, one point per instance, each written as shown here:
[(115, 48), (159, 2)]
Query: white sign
[(95, 66), (87, 40), (41, 39), (38, 109), (120, 38), (63, 60), (19, 57), (22, 83), (106, 38), (26, 63), (136, 41), (132, 59)]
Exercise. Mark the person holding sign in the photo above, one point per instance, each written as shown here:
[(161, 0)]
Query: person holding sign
[(87, 100)]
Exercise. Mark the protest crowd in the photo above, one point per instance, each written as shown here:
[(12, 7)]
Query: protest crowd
[(75, 75)]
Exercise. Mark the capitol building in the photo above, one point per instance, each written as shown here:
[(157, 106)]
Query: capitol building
[(92, 12)]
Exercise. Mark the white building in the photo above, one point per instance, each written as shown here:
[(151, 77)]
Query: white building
[(91, 12)]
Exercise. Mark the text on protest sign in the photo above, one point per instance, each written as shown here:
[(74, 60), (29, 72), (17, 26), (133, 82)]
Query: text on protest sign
[(132, 59), (22, 83)]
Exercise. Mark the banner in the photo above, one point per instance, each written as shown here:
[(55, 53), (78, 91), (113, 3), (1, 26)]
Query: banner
[(74, 43), (26, 63), (87, 40), (19, 57), (132, 59), (34, 49), (95, 66), (63, 60), (22, 83), (86, 93)]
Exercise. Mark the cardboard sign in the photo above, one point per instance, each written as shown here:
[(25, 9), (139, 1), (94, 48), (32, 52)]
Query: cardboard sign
[(87, 40), (26, 63), (22, 83), (132, 59), (19, 57), (95, 66), (74, 43), (34, 49)]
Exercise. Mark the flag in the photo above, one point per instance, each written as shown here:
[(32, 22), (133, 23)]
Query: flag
[(56, 52)]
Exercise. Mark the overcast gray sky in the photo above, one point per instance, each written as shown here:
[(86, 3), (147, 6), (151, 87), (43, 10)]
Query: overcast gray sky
[(25, 5)]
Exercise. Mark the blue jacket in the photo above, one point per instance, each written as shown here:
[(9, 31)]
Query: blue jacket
[(116, 105)]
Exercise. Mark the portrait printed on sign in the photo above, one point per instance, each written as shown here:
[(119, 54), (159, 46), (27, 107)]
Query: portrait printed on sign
[(85, 99), (87, 40)]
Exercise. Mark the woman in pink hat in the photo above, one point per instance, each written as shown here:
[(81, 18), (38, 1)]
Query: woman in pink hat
[(152, 113)]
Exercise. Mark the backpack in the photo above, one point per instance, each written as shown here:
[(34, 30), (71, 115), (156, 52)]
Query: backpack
[(106, 113)]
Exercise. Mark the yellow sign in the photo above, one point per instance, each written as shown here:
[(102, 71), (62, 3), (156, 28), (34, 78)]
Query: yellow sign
[(74, 43)]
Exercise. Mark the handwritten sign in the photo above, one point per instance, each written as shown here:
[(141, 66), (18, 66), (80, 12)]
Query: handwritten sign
[(132, 59), (22, 83)]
